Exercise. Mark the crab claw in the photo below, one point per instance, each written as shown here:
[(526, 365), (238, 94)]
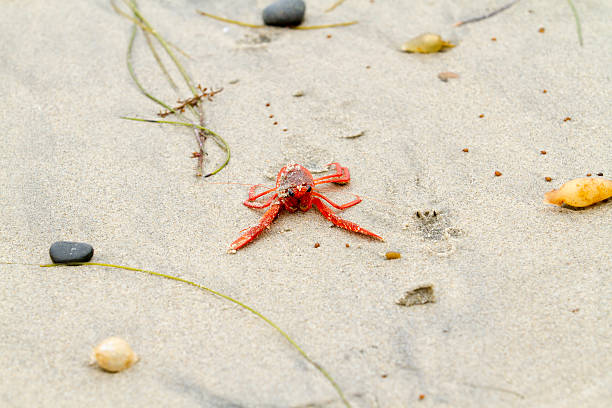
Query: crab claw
[(251, 233)]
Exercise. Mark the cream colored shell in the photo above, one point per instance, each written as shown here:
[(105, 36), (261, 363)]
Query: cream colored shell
[(581, 192), (114, 354), (426, 43)]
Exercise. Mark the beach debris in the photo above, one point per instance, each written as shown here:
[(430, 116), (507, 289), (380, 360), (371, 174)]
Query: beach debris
[(196, 122), (68, 251), (578, 29), (114, 354), (426, 44), (567, 119), (580, 192), (543, 152), (421, 397), (497, 173), (333, 6), (465, 150), (420, 295), (298, 94), (234, 81), (600, 174), (284, 13), (541, 30), (544, 91), (193, 101), (493, 39), (445, 76), (316, 245), (393, 255), (491, 14), (293, 27), (353, 136), (296, 189), (548, 179), (481, 115)]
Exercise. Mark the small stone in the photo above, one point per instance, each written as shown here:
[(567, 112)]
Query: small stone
[(284, 13), (445, 76), (66, 251), (418, 296), (393, 255)]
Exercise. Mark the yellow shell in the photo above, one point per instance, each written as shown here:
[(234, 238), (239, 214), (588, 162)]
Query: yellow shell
[(581, 192), (426, 44), (114, 354)]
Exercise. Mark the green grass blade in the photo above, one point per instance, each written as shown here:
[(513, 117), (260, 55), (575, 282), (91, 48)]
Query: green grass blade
[(236, 302)]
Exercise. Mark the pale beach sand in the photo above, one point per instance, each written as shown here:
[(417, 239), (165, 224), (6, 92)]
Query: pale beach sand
[(523, 288)]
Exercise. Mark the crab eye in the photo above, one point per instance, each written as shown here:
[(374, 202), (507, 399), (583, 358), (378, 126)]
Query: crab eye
[(309, 189), (290, 192)]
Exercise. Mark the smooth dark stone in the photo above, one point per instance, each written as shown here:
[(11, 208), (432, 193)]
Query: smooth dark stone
[(284, 13), (66, 251)]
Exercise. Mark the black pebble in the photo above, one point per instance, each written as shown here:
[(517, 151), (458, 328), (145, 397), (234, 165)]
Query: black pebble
[(284, 13), (66, 251)]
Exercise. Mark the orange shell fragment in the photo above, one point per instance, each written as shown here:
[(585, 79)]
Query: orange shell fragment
[(581, 192)]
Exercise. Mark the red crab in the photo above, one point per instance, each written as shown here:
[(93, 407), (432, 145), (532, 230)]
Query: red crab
[(295, 189)]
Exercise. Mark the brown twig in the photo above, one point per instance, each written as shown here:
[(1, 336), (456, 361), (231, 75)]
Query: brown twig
[(193, 101), (475, 19)]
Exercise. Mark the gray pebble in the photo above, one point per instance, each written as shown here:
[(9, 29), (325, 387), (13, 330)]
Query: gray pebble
[(284, 13), (66, 251)]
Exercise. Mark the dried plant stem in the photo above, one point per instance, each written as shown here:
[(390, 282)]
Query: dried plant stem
[(135, 78), (333, 6), (475, 19), (164, 44), (236, 302), (242, 24), (218, 139), (142, 26), (158, 59), (200, 132), (578, 28), (317, 27), (227, 20)]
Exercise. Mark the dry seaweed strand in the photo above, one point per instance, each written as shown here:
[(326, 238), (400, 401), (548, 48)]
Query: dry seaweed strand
[(491, 14), (333, 6), (221, 295), (242, 24), (200, 132), (578, 28), (143, 27), (199, 127)]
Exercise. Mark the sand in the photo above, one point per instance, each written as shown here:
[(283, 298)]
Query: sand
[(523, 288)]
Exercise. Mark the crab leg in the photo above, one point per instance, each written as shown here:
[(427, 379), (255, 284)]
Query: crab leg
[(356, 201), (341, 176), (253, 196), (251, 204), (251, 233), (347, 225)]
